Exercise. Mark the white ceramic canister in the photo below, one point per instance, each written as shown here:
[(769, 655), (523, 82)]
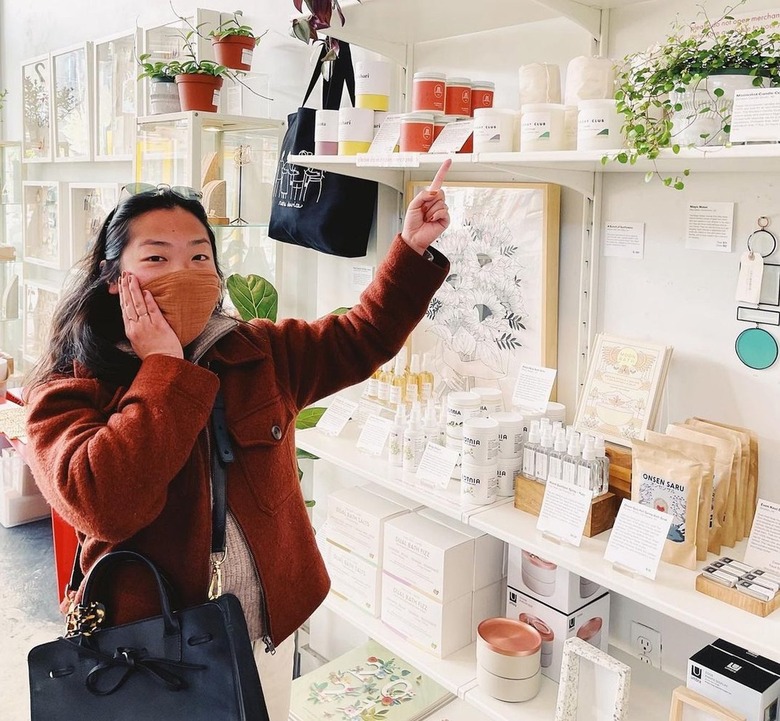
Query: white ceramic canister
[(590, 631), (372, 84), (528, 417), (491, 400), (326, 132), (508, 648), (587, 587), (542, 127), (478, 483), (555, 412), (510, 434), (455, 444), (512, 690), (480, 440), (539, 575), (507, 469), (495, 130), (598, 125), (461, 405), (548, 637), (356, 130), (570, 114)]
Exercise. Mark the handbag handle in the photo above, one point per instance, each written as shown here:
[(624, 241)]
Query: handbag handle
[(343, 74)]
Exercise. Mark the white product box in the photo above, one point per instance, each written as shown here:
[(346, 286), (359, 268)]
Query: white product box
[(734, 683), (431, 557), (439, 628), (487, 602), (396, 498), (591, 623), (488, 550), (549, 583), (356, 519), (354, 579)]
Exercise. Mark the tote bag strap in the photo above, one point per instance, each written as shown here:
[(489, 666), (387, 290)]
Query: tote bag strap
[(343, 74)]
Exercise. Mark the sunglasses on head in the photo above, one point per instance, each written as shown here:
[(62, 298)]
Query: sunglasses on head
[(182, 191)]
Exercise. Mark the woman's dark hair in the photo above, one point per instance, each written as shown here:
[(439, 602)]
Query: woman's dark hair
[(87, 324)]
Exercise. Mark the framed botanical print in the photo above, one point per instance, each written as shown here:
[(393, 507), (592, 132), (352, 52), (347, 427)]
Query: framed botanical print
[(36, 110), (42, 229), (498, 307), (40, 302), (71, 90)]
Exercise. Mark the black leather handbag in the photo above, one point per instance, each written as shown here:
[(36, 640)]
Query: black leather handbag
[(195, 664)]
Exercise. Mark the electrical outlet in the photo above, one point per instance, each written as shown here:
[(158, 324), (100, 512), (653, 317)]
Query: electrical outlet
[(646, 644)]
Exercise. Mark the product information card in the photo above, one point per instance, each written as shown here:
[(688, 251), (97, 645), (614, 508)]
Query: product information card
[(387, 136), (637, 538), (533, 387), (334, 419), (624, 240), (452, 137), (763, 549), (564, 511), (437, 464), (755, 116), (710, 227), (374, 435)]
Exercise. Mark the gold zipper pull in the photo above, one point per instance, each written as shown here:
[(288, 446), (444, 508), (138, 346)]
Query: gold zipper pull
[(215, 585)]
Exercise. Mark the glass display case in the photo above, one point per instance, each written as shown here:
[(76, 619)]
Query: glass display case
[(89, 204), (11, 174), (36, 106), (40, 302), (71, 75), (115, 97), (42, 224)]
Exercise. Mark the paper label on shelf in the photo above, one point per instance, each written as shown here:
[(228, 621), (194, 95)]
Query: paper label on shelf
[(437, 464), (763, 548), (374, 435), (387, 136), (362, 275), (246, 56), (755, 116), (533, 387), (334, 419), (452, 137), (637, 538), (564, 511), (388, 160), (624, 240), (710, 227)]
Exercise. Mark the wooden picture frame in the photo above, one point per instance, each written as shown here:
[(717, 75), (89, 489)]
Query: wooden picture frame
[(498, 307), (587, 668), (71, 81), (683, 698), (36, 110)]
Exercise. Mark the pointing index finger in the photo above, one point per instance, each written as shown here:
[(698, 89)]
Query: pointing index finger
[(440, 175)]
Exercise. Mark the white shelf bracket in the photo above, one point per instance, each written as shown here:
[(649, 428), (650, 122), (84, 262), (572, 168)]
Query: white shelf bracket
[(586, 17), (580, 181)]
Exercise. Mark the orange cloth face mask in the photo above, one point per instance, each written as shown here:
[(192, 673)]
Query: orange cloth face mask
[(187, 299)]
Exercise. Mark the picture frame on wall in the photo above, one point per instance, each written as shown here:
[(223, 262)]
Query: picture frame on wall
[(36, 110), (115, 96), (89, 204), (71, 73), (498, 307), (40, 302), (687, 705), (593, 685), (42, 224)]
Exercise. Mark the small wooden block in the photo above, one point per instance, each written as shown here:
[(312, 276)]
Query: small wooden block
[(529, 495), (735, 598), (620, 462)]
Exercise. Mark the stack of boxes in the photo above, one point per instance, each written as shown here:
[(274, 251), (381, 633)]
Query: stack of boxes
[(557, 603)]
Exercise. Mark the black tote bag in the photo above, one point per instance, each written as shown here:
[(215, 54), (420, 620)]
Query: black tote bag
[(329, 212), (190, 665)]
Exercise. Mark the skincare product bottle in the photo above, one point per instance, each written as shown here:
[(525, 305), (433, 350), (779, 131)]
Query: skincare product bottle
[(601, 457), (555, 464), (383, 387), (426, 379), (542, 456), (414, 441), (412, 381), (372, 389), (571, 461), (529, 450), (396, 440), (431, 427), (589, 471), (397, 383)]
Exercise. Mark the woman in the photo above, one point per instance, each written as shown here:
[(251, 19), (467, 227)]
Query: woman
[(118, 410)]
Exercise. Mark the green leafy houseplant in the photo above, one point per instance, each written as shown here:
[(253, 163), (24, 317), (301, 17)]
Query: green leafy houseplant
[(235, 27), (651, 83), (154, 70)]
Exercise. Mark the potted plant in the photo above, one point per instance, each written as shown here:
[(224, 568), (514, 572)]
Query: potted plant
[(198, 81), (321, 13), (234, 43), (680, 91), (163, 94)]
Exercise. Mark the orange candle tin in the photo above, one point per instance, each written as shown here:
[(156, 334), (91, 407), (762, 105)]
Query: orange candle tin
[(482, 92), (416, 133), (428, 91), (458, 101)]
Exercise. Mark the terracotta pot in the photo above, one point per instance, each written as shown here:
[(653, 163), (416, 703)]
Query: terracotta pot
[(234, 51), (199, 92)]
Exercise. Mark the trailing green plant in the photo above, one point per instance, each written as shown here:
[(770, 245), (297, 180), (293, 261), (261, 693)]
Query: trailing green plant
[(319, 18), (648, 81), (235, 26), (190, 65), (153, 70)]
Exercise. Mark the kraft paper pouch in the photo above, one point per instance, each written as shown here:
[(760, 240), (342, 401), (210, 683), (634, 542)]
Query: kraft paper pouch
[(735, 516), (706, 456), (750, 509), (670, 482), (721, 480)]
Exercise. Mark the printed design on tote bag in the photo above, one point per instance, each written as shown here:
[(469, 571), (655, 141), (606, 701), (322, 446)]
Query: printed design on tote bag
[(295, 185)]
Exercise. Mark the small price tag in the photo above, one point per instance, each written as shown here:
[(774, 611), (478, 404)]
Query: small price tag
[(393, 160), (374, 435), (387, 136), (437, 464), (751, 275), (763, 548), (334, 419), (533, 387), (564, 511), (452, 137), (636, 541)]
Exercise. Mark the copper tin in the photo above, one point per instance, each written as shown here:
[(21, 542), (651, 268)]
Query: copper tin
[(508, 637), (540, 562), (537, 624), (590, 629)]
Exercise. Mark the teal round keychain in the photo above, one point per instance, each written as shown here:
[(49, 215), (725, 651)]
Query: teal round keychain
[(756, 348)]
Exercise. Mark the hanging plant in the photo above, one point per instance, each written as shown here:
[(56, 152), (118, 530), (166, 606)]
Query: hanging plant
[(320, 17)]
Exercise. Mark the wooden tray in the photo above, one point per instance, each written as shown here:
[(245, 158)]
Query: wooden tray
[(529, 495), (735, 598)]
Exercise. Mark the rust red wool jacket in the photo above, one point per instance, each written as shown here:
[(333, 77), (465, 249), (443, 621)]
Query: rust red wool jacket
[(128, 467)]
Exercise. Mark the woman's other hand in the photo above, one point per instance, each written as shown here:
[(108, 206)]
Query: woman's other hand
[(145, 327), (427, 216)]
